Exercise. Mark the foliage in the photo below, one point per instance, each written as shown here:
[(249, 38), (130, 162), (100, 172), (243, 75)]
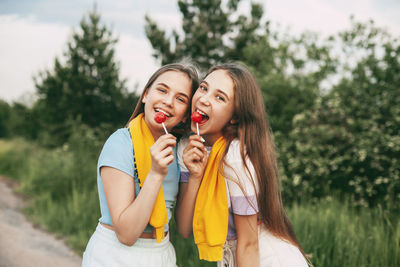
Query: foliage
[(336, 234), (333, 104), (12, 155), (349, 141), (332, 231), (61, 183), (87, 86), (24, 121), (289, 70), (4, 118), (211, 31), (340, 141)]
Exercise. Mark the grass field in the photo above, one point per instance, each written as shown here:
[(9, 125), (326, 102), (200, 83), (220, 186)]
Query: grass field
[(62, 186)]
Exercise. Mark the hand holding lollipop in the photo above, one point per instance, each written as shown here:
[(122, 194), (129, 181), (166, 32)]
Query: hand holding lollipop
[(160, 118)]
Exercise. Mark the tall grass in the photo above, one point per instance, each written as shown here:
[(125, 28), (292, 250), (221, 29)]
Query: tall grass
[(62, 186), (14, 156), (336, 234)]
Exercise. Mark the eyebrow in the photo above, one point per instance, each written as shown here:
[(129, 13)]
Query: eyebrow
[(222, 92), (180, 93), (219, 90), (183, 94), (205, 82), (163, 84)]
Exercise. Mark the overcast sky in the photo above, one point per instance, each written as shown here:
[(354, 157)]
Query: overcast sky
[(34, 32)]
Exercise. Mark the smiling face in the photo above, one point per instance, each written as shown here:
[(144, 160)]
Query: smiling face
[(170, 94), (214, 99)]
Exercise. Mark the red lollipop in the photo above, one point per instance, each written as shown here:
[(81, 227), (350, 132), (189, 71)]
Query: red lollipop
[(196, 117), (160, 118)]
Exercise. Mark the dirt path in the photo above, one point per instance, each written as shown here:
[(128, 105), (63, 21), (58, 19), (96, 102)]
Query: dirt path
[(23, 245)]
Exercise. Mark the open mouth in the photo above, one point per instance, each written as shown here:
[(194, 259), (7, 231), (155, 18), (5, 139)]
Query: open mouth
[(204, 116), (163, 111)]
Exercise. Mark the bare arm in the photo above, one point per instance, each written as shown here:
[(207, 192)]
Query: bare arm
[(247, 252), (195, 159), (129, 215)]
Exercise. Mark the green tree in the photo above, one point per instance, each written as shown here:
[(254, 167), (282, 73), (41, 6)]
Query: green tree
[(87, 87), (23, 121), (211, 32), (17, 119), (350, 141), (289, 70), (4, 118)]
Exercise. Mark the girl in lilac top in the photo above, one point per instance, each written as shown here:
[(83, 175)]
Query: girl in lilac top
[(238, 203), (259, 232)]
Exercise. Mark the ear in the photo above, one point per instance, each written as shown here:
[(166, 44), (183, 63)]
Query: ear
[(144, 99), (233, 121)]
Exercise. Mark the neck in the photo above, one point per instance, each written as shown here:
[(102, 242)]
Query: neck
[(156, 134), (210, 140)]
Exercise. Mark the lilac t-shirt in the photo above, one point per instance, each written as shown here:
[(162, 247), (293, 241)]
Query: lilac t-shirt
[(241, 201)]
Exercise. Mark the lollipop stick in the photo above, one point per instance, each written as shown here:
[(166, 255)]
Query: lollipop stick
[(198, 133), (165, 129)]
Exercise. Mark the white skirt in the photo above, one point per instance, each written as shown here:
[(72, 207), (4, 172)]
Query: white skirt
[(104, 249), (274, 252)]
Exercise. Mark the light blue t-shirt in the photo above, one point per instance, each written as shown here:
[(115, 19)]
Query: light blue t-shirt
[(117, 153)]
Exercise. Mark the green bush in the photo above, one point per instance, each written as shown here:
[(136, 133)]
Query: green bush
[(15, 157), (349, 141)]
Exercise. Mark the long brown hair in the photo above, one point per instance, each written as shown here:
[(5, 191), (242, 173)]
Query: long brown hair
[(249, 124), (192, 74)]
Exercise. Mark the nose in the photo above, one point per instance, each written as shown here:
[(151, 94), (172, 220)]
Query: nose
[(168, 100), (204, 100)]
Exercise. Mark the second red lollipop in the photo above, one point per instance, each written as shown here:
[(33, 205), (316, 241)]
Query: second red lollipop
[(196, 118), (160, 118)]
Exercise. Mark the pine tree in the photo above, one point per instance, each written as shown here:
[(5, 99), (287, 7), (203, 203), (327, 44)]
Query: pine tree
[(212, 32), (87, 87)]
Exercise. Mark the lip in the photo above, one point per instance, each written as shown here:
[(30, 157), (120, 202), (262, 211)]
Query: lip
[(168, 114), (205, 116), (201, 112)]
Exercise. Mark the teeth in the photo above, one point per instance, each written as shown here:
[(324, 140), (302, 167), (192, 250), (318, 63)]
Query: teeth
[(201, 112), (160, 110)]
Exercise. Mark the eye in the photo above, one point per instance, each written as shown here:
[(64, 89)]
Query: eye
[(162, 90), (181, 99), (203, 88), (221, 98)]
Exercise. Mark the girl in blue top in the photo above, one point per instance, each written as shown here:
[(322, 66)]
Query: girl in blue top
[(138, 176)]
